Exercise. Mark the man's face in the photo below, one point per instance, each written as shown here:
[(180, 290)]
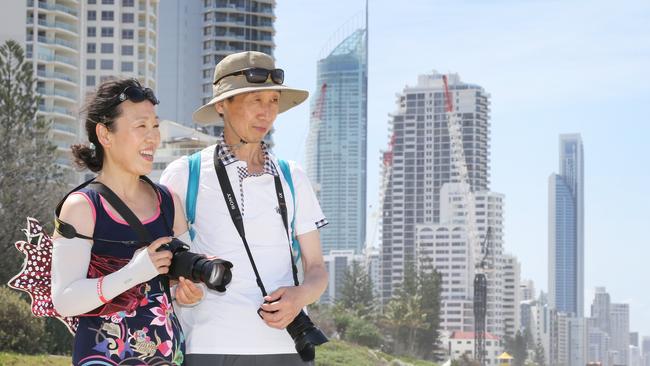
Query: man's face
[(251, 115)]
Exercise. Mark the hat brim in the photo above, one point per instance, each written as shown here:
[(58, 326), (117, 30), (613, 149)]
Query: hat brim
[(289, 98)]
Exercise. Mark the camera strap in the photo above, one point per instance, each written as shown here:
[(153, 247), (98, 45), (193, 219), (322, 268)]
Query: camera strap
[(237, 219), (134, 223)]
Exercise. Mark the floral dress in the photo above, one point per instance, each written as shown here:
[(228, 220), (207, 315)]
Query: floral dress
[(148, 335)]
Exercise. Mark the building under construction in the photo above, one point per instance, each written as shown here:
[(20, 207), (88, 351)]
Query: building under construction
[(437, 207)]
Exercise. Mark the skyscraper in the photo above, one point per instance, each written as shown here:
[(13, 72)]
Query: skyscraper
[(53, 43), (566, 233), (600, 309), (121, 39), (74, 45), (199, 34), (511, 295), (645, 350), (336, 145), (620, 332), (421, 164)]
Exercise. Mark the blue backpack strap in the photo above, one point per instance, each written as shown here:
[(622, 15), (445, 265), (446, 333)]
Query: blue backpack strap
[(192, 190), (286, 172)]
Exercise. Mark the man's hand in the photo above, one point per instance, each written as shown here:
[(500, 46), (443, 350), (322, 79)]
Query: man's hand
[(187, 292), (282, 306)]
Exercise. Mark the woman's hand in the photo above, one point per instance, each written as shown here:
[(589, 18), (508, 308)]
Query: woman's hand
[(162, 259)]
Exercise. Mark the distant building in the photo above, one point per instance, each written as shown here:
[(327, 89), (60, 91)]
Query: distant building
[(459, 343), (421, 165), (337, 263), (177, 140), (511, 299), (446, 248), (336, 145), (566, 229), (197, 35)]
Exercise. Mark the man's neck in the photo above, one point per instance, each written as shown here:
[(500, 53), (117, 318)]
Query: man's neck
[(249, 152)]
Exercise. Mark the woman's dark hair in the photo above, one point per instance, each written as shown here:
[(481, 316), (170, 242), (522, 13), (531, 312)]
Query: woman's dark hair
[(101, 107)]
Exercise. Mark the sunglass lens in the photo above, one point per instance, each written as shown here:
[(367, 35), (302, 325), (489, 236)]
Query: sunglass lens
[(256, 75), (135, 95), (277, 76)]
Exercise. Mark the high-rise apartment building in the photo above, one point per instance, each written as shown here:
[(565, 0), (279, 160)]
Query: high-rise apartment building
[(53, 43), (601, 309), (620, 332), (445, 247), (422, 163), (73, 46), (597, 343), (645, 351), (336, 145), (199, 34), (511, 295), (566, 233), (527, 290), (120, 39)]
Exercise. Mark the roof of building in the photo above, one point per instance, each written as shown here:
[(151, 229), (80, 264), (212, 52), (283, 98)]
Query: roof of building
[(470, 335)]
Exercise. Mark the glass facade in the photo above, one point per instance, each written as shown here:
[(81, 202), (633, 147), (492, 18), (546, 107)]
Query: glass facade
[(566, 233), (336, 145)]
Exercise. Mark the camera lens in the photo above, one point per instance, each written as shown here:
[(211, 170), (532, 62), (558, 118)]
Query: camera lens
[(215, 273), (305, 336)]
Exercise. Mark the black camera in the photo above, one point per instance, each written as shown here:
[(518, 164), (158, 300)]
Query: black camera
[(215, 273), (305, 335)]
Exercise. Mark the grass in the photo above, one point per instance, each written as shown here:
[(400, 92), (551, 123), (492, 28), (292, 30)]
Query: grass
[(14, 359), (333, 353), (339, 353)]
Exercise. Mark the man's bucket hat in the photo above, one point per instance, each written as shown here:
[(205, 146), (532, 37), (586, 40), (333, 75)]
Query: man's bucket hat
[(243, 72)]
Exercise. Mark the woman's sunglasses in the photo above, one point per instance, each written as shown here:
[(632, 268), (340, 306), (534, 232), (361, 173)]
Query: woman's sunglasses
[(258, 75), (137, 95)]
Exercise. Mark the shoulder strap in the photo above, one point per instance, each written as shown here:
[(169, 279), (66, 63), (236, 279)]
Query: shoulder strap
[(192, 190), (286, 173), (124, 211)]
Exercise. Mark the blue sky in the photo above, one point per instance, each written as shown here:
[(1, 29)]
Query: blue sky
[(551, 67)]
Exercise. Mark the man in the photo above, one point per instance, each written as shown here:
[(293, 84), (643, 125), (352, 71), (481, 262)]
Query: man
[(225, 328)]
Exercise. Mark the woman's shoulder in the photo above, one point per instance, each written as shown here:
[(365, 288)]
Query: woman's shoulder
[(76, 209)]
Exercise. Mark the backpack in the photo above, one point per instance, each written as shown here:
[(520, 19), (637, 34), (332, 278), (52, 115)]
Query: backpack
[(193, 190)]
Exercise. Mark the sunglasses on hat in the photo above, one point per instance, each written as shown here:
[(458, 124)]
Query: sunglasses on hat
[(137, 95), (258, 75)]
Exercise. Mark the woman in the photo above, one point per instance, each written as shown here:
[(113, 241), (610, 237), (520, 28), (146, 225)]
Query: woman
[(90, 276)]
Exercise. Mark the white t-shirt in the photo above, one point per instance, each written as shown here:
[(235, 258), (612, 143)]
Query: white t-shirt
[(227, 323)]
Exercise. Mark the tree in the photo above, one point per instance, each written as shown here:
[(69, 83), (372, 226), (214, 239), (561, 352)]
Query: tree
[(20, 331), (31, 181), (517, 347), (539, 355), (412, 318), (357, 294), (429, 288)]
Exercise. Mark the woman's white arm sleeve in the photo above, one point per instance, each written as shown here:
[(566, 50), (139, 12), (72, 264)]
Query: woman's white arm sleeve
[(74, 294)]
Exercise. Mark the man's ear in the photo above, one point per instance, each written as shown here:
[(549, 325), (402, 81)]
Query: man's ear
[(218, 106)]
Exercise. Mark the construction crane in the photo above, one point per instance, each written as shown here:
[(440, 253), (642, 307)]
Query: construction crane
[(459, 173), (318, 110), (387, 167)]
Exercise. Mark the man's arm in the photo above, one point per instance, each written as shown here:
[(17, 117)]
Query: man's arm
[(285, 303)]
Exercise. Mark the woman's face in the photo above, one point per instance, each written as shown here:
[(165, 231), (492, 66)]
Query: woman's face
[(251, 115), (134, 139)]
